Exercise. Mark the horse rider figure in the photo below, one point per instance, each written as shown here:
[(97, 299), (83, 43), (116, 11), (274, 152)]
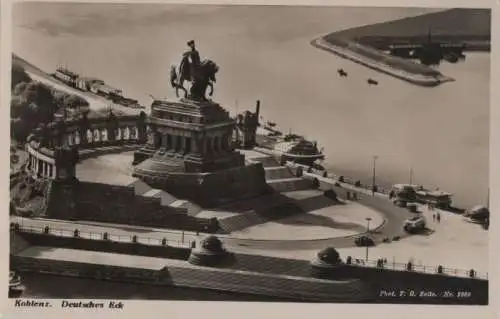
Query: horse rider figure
[(201, 74), (190, 64)]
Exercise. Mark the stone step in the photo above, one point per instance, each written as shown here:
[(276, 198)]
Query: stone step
[(279, 172), (252, 218), (289, 184), (267, 161)]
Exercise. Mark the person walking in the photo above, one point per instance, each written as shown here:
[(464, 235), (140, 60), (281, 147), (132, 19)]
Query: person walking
[(434, 217), (438, 217)]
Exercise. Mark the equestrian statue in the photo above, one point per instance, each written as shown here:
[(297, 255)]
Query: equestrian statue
[(201, 74)]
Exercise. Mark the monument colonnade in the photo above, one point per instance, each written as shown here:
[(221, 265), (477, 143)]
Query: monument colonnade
[(41, 161)]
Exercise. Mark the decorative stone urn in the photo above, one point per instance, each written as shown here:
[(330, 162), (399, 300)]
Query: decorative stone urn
[(325, 264), (209, 252)]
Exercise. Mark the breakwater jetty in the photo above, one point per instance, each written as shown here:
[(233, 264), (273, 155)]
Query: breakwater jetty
[(465, 29)]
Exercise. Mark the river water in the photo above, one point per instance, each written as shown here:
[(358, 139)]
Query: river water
[(264, 53)]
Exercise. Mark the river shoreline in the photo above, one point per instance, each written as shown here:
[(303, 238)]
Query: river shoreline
[(413, 78)]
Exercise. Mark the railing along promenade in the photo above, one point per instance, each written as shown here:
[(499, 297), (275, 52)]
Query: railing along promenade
[(149, 241), (102, 236)]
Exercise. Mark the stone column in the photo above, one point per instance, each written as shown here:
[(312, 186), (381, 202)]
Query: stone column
[(165, 141), (183, 145), (221, 143), (194, 145), (90, 136), (77, 138), (208, 145), (136, 132)]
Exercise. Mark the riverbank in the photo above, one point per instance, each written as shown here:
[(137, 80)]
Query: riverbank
[(366, 45), (402, 69), (471, 27)]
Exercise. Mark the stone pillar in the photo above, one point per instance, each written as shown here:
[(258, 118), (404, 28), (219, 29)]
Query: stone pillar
[(208, 147), (90, 136), (51, 170), (135, 130), (165, 141), (44, 169), (183, 145), (194, 145), (77, 138), (221, 143)]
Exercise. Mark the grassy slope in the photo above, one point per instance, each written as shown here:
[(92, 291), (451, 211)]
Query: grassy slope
[(453, 22), (17, 60)]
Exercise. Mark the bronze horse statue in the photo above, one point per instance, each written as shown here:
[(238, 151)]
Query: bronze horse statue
[(202, 77)]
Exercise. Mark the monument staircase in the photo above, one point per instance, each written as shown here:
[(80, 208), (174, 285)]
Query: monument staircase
[(279, 177), (167, 199), (256, 217)]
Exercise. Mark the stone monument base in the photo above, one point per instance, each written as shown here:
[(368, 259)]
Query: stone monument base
[(209, 189)]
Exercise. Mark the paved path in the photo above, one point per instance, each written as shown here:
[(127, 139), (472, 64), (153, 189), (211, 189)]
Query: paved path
[(117, 232)]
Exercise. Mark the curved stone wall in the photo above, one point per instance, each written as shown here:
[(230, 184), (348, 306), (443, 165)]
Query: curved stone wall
[(48, 148)]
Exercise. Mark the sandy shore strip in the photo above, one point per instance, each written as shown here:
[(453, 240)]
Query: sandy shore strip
[(417, 79)]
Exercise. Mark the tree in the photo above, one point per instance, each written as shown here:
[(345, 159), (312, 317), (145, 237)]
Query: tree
[(18, 75), (75, 101), (19, 130), (19, 88), (18, 107), (41, 95)]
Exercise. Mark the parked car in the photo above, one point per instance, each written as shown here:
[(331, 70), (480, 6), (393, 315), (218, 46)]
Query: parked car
[(415, 223), (364, 241)]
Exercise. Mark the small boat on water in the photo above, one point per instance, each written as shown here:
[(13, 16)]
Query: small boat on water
[(342, 73), (16, 288)]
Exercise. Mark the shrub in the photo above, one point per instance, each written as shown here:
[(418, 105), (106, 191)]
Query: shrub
[(396, 238), (472, 273), (299, 172), (440, 269), (315, 183), (409, 266), (348, 260), (76, 233), (164, 242), (105, 236), (46, 230), (134, 239), (18, 75)]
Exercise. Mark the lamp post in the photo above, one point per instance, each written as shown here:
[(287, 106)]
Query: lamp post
[(368, 219), (375, 157), (411, 175)]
